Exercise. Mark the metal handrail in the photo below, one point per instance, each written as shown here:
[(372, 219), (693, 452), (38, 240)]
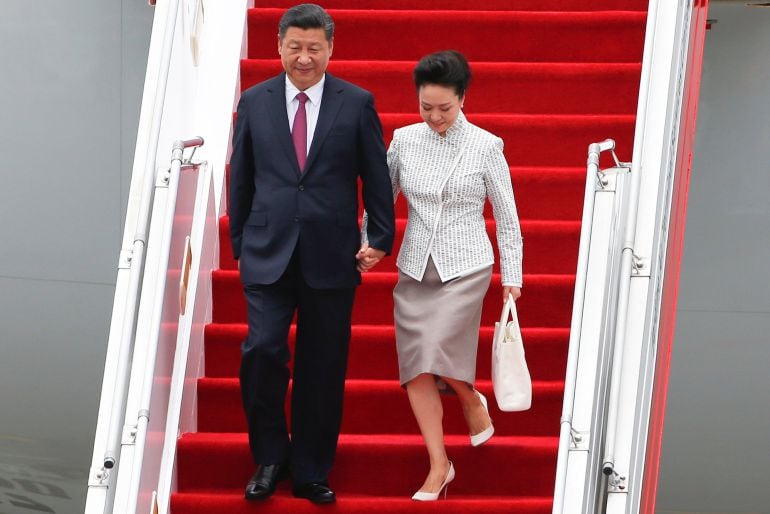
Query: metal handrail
[(137, 255), (170, 180), (565, 434), (627, 256), (623, 294)]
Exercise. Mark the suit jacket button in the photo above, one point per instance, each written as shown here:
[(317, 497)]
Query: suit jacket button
[(301, 187), (296, 218)]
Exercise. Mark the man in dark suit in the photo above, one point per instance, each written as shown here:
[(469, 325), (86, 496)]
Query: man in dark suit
[(301, 142)]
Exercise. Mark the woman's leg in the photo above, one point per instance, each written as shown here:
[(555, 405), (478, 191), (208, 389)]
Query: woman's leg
[(475, 415), (426, 405)]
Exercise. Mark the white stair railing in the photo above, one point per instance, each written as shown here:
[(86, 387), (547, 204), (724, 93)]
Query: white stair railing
[(593, 312), (618, 302), (191, 85)]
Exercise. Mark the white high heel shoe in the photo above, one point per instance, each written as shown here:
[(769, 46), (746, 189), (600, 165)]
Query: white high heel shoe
[(421, 496), (483, 436)]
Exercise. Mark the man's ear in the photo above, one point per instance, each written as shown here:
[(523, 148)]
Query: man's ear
[(331, 46), (279, 44)]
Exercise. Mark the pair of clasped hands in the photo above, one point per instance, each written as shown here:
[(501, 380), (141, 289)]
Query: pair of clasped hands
[(368, 258)]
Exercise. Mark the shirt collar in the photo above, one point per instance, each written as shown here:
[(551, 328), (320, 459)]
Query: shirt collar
[(453, 133), (314, 93)]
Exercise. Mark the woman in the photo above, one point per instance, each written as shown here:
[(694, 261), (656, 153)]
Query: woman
[(446, 167)]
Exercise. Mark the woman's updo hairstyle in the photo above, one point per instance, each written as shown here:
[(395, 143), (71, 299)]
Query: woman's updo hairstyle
[(447, 68)]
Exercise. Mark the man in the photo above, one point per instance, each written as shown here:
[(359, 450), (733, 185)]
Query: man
[(301, 142)]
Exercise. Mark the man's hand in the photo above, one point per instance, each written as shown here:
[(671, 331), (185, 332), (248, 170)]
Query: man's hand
[(368, 257), (515, 291)]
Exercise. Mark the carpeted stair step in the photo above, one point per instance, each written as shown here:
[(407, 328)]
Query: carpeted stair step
[(382, 465), (487, 5), (534, 88), (382, 406), (540, 140), (373, 351), (542, 193), (283, 501), (550, 246), (516, 36), (531, 140), (546, 302)]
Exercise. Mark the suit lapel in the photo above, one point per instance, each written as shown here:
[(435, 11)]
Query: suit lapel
[(280, 119), (331, 102)]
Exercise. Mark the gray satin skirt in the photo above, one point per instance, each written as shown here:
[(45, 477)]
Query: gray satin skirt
[(437, 324)]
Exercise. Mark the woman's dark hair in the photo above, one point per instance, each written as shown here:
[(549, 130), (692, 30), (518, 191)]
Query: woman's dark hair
[(306, 16), (446, 68)]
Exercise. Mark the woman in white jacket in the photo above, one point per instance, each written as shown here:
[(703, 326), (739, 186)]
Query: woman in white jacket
[(446, 168)]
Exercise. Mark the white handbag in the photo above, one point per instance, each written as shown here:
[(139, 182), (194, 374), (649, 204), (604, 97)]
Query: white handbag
[(510, 376)]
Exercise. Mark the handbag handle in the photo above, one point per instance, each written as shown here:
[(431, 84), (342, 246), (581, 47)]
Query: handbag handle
[(509, 311)]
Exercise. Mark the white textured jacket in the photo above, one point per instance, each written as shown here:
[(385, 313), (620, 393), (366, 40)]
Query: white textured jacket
[(446, 206)]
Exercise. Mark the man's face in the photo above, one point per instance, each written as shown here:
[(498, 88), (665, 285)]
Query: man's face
[(305, 54)]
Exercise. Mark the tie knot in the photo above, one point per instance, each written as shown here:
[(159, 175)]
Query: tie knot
[(302, 97)]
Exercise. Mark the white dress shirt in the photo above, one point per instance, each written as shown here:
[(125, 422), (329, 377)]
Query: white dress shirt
[(446, 215), (312, 106)]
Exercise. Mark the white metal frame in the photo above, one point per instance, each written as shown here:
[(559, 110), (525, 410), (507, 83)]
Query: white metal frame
[(613, 438), (191, 85)]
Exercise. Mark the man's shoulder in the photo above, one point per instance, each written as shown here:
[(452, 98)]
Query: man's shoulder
[(266, 86), (337, 84)]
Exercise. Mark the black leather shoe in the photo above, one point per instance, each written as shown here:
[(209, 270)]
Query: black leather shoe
[(316, 492), (263, 482)]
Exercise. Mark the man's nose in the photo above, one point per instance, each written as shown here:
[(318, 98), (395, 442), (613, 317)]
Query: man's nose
[(304, 58)]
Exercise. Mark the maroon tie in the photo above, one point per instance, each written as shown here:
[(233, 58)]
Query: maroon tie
[(299, 131)]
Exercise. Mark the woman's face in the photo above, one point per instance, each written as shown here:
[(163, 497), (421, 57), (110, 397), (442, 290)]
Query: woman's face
[(439, 106)]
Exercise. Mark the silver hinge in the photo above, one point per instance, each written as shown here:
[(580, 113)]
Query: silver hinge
[(579, 440), (164, 177), (98, 477), (607, 178), (637, 264), (124, 260), (616, 483), (129, 435)]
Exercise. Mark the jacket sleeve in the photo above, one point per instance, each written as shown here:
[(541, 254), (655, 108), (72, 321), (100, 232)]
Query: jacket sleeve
[(376, 192), (393, 167), (497, 179), (241, 177)]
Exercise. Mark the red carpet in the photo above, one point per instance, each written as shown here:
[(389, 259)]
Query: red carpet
[(550, 77)]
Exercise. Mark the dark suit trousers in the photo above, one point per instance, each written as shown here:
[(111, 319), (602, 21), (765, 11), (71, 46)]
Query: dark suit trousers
[(320, 363)]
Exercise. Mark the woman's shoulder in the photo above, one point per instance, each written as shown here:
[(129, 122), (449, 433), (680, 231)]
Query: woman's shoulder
[(413, 130), (481, 137), (410, 134)]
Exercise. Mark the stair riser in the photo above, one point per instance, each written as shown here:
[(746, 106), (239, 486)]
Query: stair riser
[(546, 302), (538, 140), (493, 469), (549, 248), (282, 501), (539, 88), (541, 194), (492, 5), (378, 408), (528, 37), (374, 357)]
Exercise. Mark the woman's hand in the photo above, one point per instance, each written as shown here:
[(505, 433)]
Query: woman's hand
[(368, 257), (512, 290)]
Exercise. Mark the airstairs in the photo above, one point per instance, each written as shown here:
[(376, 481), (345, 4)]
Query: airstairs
[(604, 452)]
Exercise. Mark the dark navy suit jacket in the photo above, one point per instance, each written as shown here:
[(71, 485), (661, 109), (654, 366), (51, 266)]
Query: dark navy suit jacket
[(274, 206)]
